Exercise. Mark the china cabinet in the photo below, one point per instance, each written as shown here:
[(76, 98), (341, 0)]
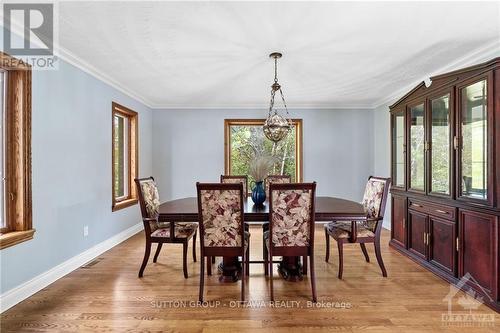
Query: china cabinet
[(445, 165)]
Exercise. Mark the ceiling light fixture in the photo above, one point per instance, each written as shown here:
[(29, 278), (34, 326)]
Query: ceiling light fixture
[(276, 126)]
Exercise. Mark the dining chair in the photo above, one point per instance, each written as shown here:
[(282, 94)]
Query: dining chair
[(291, 225), (159, 233), (265, 226), (275, 179), (236, 179), (365, 231), (221, 221)]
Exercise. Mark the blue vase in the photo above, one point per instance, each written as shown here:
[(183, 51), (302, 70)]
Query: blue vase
[(258, 194)]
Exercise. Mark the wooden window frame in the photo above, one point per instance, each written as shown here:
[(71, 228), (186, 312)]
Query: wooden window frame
[(18, 204), (132, 156), (260, 122)]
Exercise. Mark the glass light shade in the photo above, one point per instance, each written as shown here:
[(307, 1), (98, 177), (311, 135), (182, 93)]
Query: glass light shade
[(276, 127)]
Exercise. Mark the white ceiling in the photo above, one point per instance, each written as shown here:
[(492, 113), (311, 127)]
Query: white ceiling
[(215, 54)]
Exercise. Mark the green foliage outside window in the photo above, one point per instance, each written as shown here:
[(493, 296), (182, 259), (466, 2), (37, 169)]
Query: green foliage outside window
[(248, 141)]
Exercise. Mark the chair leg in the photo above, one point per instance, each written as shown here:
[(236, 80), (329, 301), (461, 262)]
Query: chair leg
[(202, 277), (184, 258), (244, 275), (304, 265), (147, 251), (247, 261), (158, 249), (194, 246), (271, 277), (341, 257), (313, 277), (327, 239), (265, 227), (379, 257), (363, 248), (266, 261), (209, 266)]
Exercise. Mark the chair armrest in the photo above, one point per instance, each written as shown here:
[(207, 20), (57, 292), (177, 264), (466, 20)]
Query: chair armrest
[(354, 231)]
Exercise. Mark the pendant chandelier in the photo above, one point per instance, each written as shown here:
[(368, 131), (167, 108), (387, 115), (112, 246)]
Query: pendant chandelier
[(276, 126)]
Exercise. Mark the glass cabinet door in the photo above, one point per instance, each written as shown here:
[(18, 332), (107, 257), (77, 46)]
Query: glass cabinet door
[(398, 149), (417, 147), (473, 143), (440, 145)]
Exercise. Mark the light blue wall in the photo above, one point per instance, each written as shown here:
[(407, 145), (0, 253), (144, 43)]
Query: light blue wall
[(71, 163), (382, 150), (189, 147)]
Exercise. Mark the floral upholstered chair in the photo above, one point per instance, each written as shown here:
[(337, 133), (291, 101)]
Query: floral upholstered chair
[(362, 232), (291, 225), (170, 232), (282, 179), (235, 180), (231, 180), (279, 179), (221, 220)]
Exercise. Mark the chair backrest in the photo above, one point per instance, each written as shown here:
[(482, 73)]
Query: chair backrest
[(236, 179), (221, 215), (276, 179), (375, 198), (291, 209), (149, 200)]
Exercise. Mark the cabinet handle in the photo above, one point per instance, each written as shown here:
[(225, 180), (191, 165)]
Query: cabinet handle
[(456, 142), (458, 248), (404, 223), (415, 204), (441, 211), (426, 238)]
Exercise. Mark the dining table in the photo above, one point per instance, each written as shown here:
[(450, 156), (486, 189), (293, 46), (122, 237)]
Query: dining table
[(327, 209)]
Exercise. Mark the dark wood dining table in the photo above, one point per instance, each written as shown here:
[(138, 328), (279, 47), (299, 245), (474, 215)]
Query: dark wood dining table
[(327, 209)]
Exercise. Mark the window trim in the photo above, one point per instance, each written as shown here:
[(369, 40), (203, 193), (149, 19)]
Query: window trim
[(18, 207), (260, 122), (132, 156)]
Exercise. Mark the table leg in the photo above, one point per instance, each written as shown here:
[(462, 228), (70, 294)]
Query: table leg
[(230, 267), (290, 269)]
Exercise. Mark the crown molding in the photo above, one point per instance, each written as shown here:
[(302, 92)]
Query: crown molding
[(63, 54), (81, 64), (261, 107), (485, 53)]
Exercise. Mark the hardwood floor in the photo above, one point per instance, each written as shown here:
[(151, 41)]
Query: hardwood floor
[(108, 296)]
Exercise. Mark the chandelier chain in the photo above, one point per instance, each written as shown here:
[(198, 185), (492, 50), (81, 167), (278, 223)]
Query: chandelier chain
[(284, 103), (276, 70), (277, 126)]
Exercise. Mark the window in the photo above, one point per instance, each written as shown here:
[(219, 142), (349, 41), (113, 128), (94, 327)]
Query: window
[(15, 152), (244, 138), (125, 156)]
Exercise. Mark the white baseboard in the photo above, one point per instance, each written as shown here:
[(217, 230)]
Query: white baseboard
[(11, 297), (387, 225)]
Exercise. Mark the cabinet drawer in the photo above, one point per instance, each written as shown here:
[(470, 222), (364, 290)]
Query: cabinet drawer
[(442, 211)]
